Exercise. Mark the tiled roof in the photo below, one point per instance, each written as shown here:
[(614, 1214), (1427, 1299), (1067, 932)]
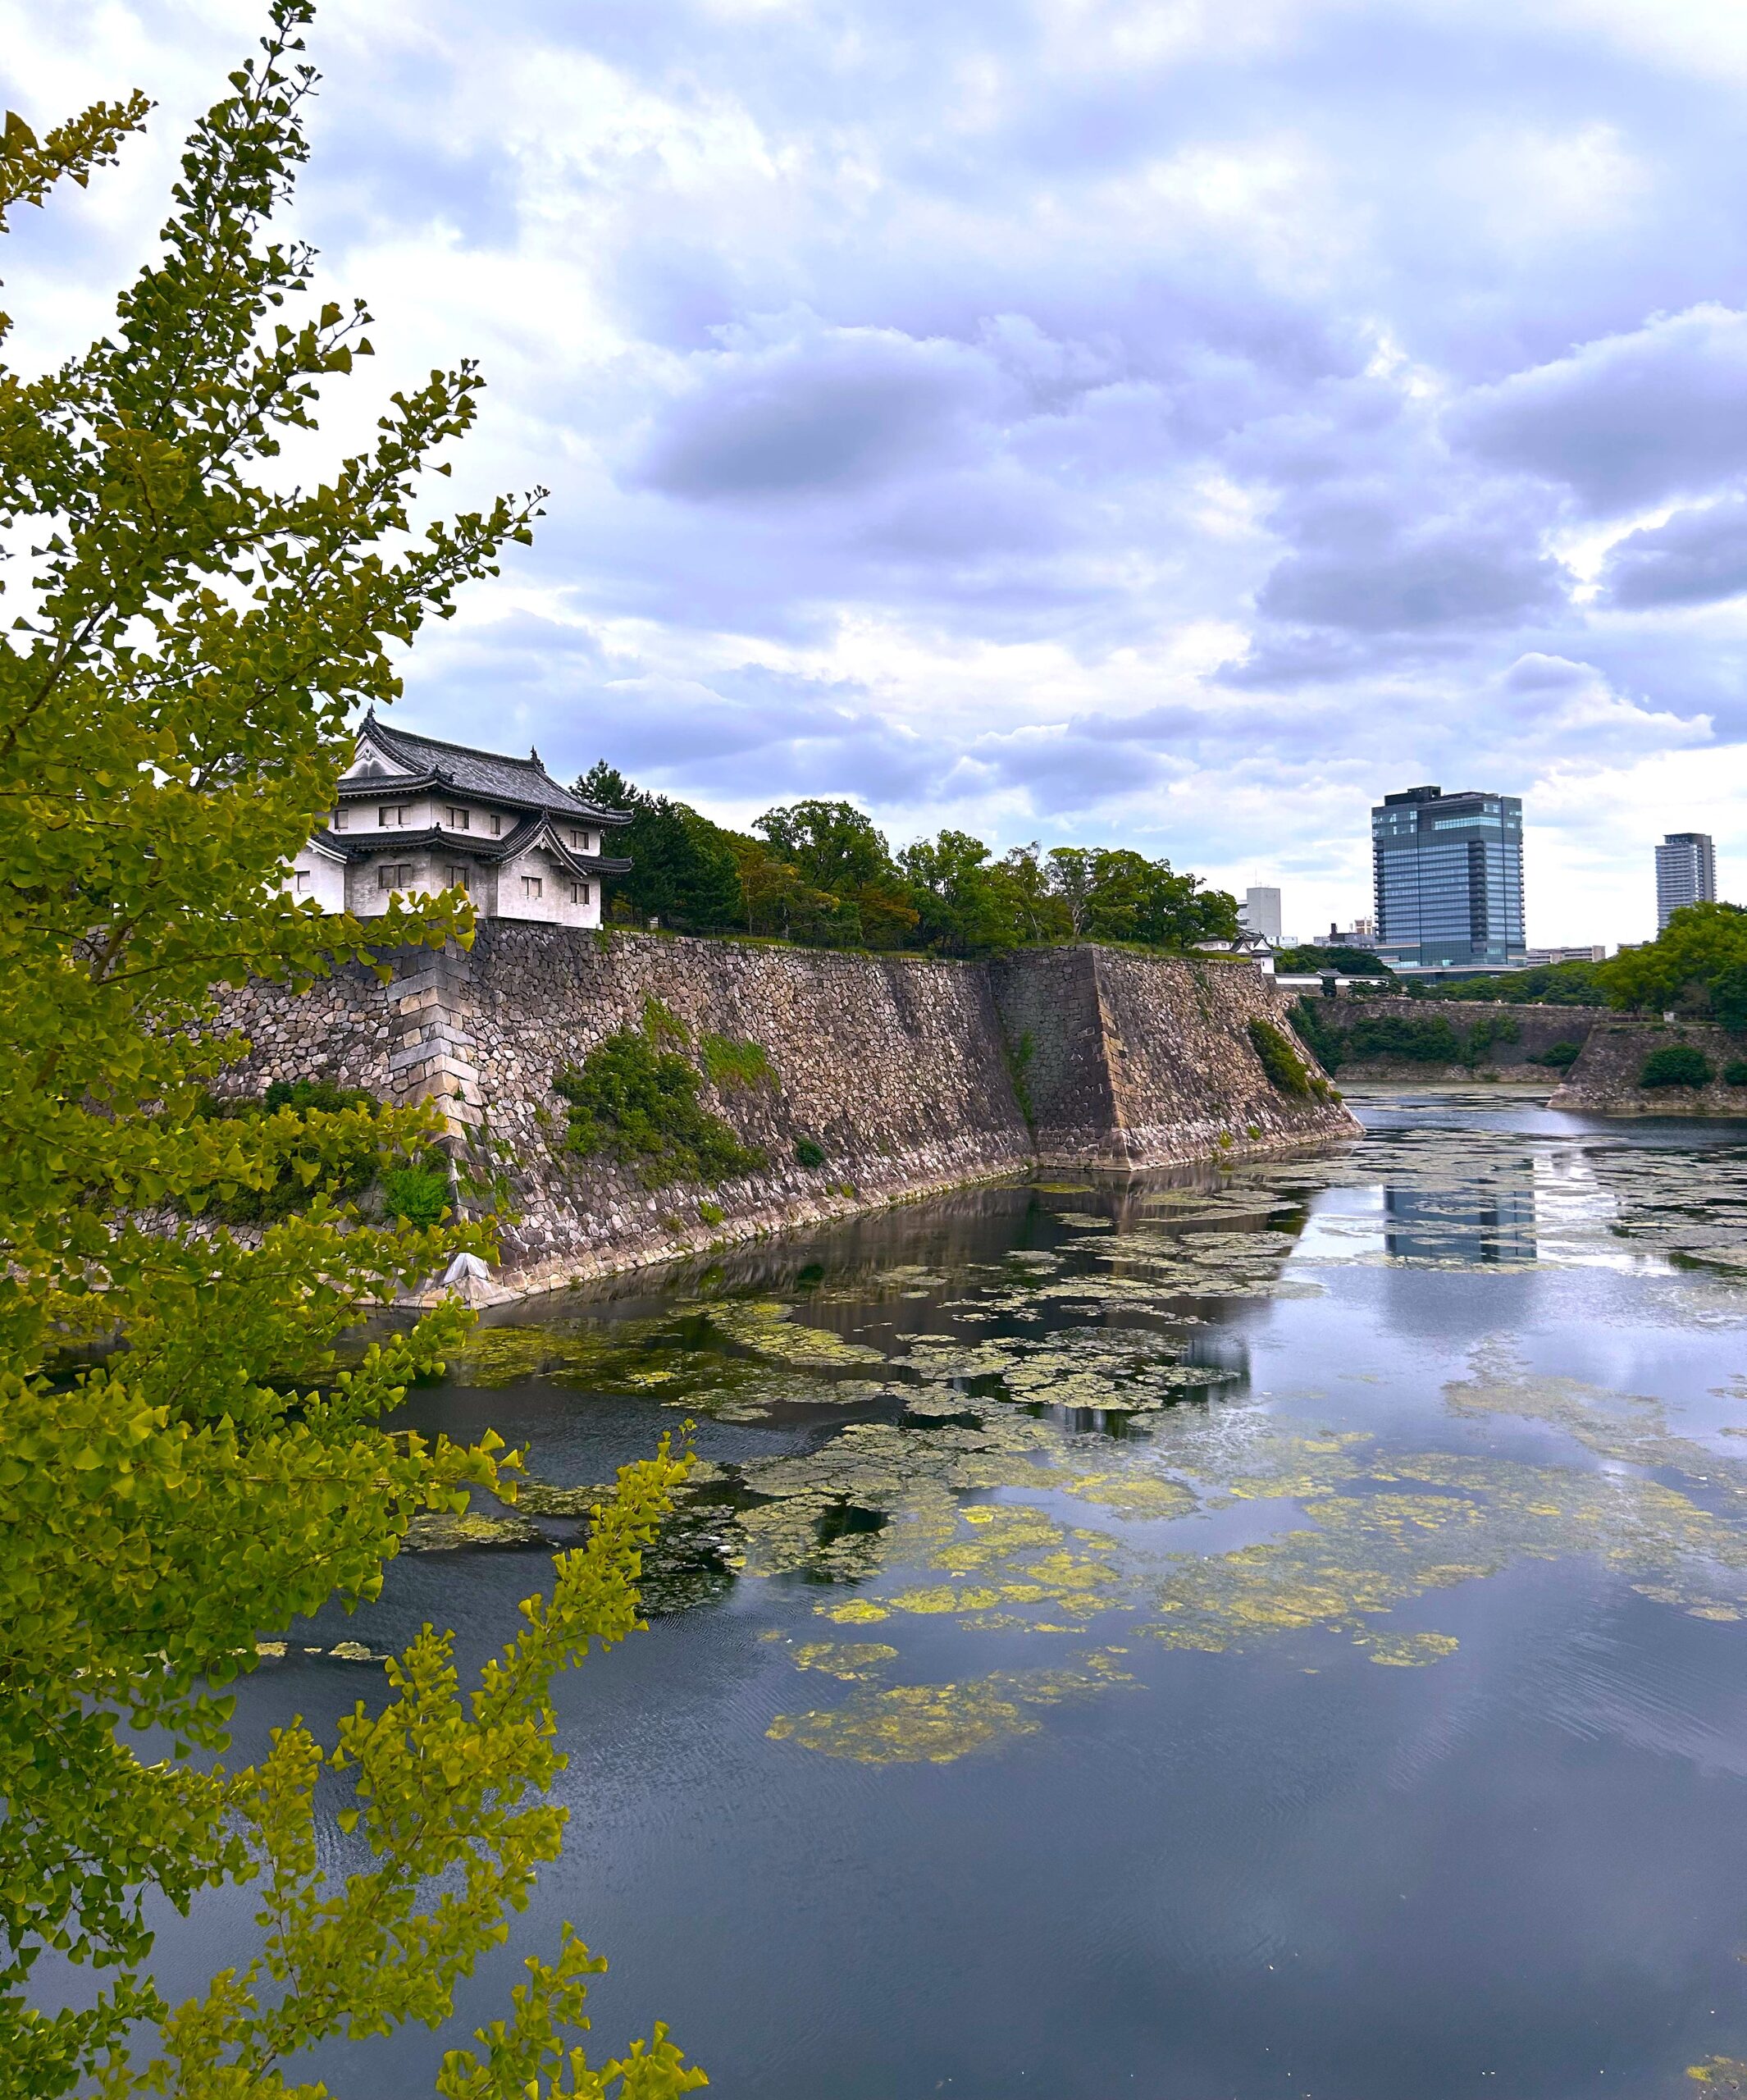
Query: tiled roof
[(489, 775)]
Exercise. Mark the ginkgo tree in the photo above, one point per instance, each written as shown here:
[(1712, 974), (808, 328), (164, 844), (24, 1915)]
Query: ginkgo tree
[(184, 1464)]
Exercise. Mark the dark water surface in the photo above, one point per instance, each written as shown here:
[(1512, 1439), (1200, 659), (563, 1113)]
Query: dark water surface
[(1285, 1635)]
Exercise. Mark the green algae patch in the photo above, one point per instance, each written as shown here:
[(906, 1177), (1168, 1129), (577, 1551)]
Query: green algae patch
[(616, 1358), (766, 1328), (444, 1532), (848, 1659), (1629, 1427), (1409, 1650), (937, 1723)]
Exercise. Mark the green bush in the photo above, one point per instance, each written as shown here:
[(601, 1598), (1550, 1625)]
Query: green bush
[(732, 1063), (1286, 1069), (711, 1213), (640, 1105), (1736, 1074), (1560, 1057), (1676, 1064), (418, 1195), (1326, 1042), (809, 1153), (1547, 984), (1344, 962), (1423, 1039), (353, 1173)]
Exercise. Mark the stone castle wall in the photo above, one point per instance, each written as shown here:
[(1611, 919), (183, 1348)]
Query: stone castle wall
[(1538, 1029), (1604, 1079), (910, 1075)]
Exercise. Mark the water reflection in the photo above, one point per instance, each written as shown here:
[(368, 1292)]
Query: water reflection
[(1496, 1227), (1278, 1632)]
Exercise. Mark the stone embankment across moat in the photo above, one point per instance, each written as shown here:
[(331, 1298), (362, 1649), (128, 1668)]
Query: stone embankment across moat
[(909, 1076), (1603, 1078)]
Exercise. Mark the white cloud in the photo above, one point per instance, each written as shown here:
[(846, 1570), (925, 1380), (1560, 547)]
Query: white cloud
[(936, 407)]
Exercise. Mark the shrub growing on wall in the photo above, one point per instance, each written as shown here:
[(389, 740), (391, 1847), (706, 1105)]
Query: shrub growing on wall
[(1560, 1057), (1676, 1064), (352, 1166), (732, 1062), (1421, 1039), (1327, 1042), (639, 1106), (1736, 1074), (1286, 1069)]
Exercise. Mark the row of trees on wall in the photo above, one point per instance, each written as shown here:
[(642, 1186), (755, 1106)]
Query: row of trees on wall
[(822, 873)]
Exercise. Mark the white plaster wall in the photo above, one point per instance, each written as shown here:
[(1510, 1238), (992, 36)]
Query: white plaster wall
[(553, 906), (313, 874), (365, 895)]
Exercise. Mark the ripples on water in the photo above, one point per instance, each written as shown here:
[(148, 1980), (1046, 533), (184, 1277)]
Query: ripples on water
[(1274, 1633)]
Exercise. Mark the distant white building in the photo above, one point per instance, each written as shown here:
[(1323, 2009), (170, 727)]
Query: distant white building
[(1533, 958), (1260, 913), (413, 814)]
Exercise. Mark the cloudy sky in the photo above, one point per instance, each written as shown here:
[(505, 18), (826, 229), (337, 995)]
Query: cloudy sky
[(1173, 424)]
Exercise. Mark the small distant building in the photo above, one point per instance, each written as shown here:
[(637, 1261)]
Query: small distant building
[(414, 814), (1685, 872), (1249, 948), (1260, 913), (1534, 958), (1360, 935), (1448, 870)]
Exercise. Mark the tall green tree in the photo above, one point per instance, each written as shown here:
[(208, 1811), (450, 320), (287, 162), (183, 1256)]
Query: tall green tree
[(838, 851), (1698, 961), (966, 908), (188, 642), (1113, 894), (682, 866)]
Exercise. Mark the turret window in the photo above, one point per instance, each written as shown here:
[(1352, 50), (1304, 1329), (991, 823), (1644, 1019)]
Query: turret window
[(391, 814), (581, 893), (497, 825), (532, 886), (455, 876), (394, 874), (460, 819), (342, 819)]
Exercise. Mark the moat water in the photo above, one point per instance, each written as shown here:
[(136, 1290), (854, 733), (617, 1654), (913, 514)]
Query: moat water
[(1280, 1633)]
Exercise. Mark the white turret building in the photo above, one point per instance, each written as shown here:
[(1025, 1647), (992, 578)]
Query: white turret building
[(413, 814)]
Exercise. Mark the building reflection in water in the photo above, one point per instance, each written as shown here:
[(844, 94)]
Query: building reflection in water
[(1432, 1226)]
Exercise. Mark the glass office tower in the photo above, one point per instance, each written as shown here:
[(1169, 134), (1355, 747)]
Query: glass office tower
[(1448, 870), (1685, 872)]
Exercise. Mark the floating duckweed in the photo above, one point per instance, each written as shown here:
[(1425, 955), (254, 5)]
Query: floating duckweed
[(1628, 1427), (444, 1533), (767, 1327), (848, 1659), (1410, 1651), (538, 1498), (935, 1724), (1725, 2076)]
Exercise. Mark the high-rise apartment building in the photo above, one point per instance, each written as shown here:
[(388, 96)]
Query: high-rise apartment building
[(1259, 912), (1447, 871), (1685, 872)]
